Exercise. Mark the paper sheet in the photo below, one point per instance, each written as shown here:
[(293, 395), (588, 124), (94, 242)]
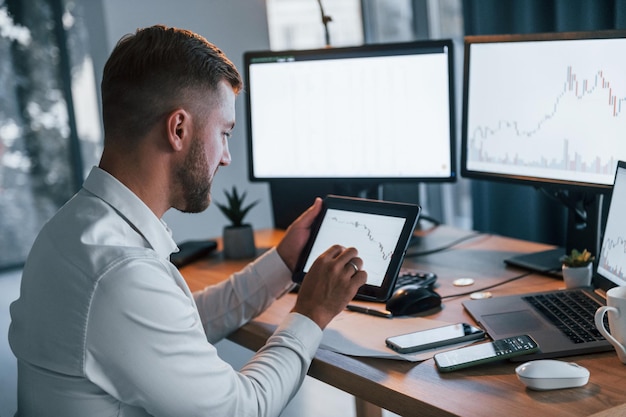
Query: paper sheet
[(358, 334)]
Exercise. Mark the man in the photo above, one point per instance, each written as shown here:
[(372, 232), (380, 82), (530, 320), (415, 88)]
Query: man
[(105, 325)]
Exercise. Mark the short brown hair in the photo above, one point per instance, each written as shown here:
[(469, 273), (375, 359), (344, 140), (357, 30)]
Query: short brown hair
[(151, 72)]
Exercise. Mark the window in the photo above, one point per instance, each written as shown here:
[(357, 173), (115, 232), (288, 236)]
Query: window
[(41, 157), (297, 24)]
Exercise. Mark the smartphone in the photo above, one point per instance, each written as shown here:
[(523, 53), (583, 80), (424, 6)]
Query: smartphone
[(432, 338), (485, 352)]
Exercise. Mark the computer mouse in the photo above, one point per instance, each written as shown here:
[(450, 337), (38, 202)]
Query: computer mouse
[(412, 299), (547, 374)]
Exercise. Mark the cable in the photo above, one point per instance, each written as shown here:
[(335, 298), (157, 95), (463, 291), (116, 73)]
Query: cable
[(442, 248), (488, 287), (325, 20)]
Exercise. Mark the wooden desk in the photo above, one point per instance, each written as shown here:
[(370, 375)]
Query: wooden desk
[(412, 389)]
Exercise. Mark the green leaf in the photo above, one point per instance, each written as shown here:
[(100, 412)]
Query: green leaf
[(577, 259), (235, 210)]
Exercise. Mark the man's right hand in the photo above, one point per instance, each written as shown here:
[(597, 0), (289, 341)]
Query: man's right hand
[(331, 283)]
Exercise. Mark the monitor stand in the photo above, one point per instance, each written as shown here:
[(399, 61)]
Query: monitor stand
[(292, 198), (584, 227)]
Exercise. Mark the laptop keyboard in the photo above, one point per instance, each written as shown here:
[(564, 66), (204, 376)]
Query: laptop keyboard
[(571, 311)]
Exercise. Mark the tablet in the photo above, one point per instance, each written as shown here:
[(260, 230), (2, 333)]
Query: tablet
[(379, 230)]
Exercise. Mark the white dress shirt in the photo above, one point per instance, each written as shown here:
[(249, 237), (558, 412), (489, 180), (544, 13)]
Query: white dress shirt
[(106, 326)]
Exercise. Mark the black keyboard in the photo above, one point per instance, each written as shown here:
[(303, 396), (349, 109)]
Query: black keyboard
[(408, 276), (571, 311)]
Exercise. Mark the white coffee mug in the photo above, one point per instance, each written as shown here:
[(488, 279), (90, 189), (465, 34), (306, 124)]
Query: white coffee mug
[(616, 307)]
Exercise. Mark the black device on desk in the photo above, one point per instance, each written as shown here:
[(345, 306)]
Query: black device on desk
[(510, 347), (413, 293), (192, 250), (412, 299)]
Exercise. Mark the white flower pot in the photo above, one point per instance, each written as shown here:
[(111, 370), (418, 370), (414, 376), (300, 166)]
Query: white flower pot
[(576, 277)]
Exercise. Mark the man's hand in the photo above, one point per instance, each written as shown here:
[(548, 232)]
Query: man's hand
[(330, 284), (297, 235)]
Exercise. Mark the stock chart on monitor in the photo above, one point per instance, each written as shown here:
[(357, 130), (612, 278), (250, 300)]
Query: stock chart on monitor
[(547, 109)]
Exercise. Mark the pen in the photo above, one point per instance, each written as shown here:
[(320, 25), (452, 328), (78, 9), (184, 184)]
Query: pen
[(371, 311)]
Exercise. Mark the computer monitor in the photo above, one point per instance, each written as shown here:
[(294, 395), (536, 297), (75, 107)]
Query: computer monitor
[(341, 120), (548, 110)]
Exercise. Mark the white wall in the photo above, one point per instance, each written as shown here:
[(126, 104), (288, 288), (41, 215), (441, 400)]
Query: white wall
[(235, 26)]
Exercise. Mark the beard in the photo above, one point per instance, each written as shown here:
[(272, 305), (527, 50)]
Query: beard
[(193, 177)]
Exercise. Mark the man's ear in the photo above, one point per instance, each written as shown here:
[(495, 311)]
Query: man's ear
[(178, 128)]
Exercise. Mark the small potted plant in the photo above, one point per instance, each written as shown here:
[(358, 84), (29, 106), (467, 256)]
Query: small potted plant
[(577, 268), (238, 237)]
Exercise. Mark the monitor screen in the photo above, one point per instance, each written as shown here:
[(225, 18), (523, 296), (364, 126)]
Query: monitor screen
[(377, 113), (545, 108), (612, 257), (548, 110)]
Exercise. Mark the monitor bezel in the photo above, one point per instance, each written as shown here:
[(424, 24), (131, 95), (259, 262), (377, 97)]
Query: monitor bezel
[(546, 183), (422, 46)]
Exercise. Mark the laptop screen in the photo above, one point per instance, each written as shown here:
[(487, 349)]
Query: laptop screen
[(612, 260)]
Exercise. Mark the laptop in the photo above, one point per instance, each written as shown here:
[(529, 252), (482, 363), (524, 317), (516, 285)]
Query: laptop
[(513, 315)]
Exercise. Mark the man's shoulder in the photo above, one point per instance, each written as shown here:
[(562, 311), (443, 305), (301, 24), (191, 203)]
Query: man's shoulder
[(86, 239)]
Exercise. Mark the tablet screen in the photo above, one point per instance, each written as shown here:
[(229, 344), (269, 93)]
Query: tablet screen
[(375, 236), (379, 230)]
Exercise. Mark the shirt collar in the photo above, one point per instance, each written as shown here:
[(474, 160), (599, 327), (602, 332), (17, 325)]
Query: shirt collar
[(133, 209)]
